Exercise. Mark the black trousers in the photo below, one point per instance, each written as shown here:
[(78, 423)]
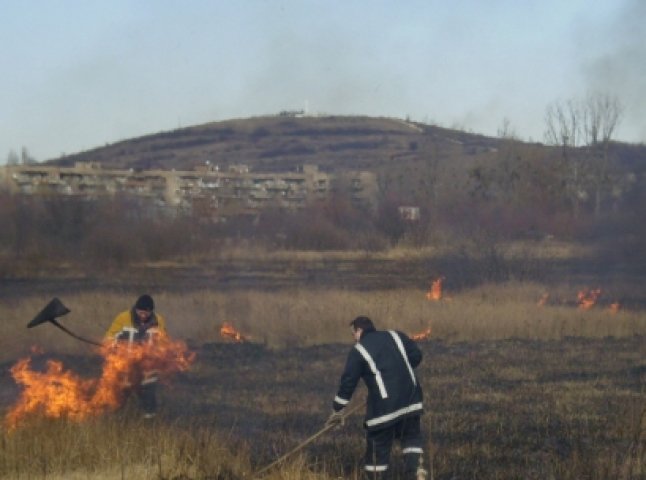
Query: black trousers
[(379, 445), (147, 394)]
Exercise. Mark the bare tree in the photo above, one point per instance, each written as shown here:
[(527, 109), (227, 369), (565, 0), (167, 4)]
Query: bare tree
[(506, 131), (588, 123), (601, 116), (563, 128), (563, 124)]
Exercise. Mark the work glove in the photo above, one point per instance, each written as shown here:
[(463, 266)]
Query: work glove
[(336, 419)]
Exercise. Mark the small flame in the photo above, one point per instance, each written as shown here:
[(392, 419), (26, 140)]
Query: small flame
[(228, 331), (543, 300), (60, 393), (588, 298), (435, 291), (614, 307), (36, 350), (424, 335)]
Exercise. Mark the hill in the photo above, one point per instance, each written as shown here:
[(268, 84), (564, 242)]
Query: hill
[(275, 143), (414, 163)]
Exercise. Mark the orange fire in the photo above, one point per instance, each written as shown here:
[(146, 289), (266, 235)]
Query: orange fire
[(588, 298), (425, 335), (614, 307), (543, 300), (60, 393), (435, 292), (228, 331)]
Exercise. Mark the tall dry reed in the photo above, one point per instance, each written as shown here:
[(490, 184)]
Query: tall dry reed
[(303, 317)]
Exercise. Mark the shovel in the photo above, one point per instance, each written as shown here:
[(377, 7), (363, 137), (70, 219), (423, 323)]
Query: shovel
[(50, 313)]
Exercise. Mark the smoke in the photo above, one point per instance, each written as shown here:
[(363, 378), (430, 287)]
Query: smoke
[(619, 67)]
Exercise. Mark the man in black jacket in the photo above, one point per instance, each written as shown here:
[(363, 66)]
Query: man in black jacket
[(385, 361)]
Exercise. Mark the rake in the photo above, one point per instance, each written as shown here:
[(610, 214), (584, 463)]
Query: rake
[(300, 446)]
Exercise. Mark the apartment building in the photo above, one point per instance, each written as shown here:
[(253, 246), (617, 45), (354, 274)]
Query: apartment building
[(207, 189)]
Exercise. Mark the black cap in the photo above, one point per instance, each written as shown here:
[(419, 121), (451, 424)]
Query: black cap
[(145, 302)]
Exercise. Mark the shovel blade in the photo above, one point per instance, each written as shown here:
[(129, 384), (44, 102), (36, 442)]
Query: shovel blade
[(52, 310)]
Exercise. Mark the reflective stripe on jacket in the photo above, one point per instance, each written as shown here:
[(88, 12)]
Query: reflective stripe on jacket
[(128, 319)]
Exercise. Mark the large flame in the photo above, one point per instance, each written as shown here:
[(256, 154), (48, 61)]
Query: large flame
[(424, 335), (587, 299), (228, 331), (60, 393), (435, 291)]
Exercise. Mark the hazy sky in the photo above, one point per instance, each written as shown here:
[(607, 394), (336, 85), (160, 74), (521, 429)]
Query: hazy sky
[(80, 74)]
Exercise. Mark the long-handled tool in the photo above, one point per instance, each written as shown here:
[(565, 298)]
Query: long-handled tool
[(348, 411), (50, 313)]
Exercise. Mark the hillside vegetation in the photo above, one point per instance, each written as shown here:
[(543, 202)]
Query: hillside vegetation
[(475, 194), (276, 143)]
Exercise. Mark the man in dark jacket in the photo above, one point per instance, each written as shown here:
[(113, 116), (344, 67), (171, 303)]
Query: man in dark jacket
[(385, 360)]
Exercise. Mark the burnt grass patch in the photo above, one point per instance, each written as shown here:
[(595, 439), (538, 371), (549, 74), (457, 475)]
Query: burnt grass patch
[(496, 409), (503, 409)]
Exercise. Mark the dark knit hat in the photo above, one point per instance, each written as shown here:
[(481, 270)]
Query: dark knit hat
[(145, 302)]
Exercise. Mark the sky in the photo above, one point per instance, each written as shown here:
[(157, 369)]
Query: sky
[(81, 74)]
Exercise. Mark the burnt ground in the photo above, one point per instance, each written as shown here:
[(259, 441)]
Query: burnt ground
[(619, 275), (503, 409)]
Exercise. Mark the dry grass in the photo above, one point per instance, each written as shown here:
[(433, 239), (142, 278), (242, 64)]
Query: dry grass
[(513, 390), (535, 250), (121, 446), (302, 317), (565, 409), (561, 409)]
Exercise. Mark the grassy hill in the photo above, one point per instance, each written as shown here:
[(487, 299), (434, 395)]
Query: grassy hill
[(390, 147), (277, 143), (413, 161)]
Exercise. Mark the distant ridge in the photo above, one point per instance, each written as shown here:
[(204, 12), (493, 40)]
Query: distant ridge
[(286, 142), (279, 142)]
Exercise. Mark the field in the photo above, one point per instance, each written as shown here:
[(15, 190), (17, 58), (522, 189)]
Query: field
[(513, 389)]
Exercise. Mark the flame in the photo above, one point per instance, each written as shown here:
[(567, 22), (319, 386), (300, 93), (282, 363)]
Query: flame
[(614, 307), (424, 335), (435, 291), (60, 393), (588, 298), (228, 331), (36, 350), (543, 300)]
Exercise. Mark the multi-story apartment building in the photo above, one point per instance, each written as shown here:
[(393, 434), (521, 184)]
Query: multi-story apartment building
[(207, 189)]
